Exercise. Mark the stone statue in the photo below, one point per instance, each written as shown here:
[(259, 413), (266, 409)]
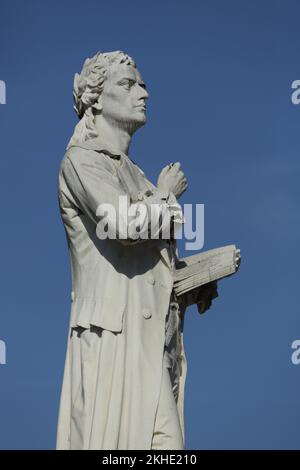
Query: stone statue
[(125, 369)]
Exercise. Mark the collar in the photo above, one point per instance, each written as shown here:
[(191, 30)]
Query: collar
[(99, 145)]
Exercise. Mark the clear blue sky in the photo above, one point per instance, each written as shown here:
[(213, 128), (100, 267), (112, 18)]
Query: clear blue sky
[(219, 75)]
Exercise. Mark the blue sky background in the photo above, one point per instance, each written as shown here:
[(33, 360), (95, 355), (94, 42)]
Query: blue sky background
[(219, 75)]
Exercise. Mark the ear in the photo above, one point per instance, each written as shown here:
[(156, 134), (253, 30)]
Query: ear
[(97, 106)]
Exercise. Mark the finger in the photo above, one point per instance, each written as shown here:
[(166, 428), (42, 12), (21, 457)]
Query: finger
[(183, 178), (184, 184), (164, 170), (201, 307), (177, 165)]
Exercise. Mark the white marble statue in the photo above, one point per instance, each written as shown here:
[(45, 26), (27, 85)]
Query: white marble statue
[(125, 369)]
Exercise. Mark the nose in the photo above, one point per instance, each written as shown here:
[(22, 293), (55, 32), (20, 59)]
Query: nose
[(144, 95)]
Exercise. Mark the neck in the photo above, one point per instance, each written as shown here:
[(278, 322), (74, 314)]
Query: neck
[(115, 136)]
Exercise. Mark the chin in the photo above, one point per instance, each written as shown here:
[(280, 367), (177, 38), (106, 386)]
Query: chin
[(142, 120), (134, 124), (139, 115)]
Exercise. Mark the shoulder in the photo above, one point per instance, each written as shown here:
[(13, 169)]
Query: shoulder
[(78, 157)]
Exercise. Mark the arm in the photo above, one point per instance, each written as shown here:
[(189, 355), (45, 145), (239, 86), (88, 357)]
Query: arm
[(98, 193)]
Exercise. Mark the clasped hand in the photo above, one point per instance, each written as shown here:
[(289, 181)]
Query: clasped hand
[(172, 178)]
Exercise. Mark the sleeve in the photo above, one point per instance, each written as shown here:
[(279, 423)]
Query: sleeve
[(98, 193)]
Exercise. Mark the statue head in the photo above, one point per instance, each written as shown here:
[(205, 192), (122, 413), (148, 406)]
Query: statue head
[(110, 86)]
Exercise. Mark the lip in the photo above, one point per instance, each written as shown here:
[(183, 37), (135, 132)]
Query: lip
[(143, 107)]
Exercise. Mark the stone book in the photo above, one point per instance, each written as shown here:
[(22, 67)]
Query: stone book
[(205, 267)]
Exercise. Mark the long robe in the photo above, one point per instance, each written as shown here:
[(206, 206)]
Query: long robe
[(120, 300)]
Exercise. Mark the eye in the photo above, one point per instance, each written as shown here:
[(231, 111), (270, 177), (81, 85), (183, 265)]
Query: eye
[(129, 83)]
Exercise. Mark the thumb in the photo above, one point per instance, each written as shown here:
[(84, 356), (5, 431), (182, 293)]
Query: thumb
[(164, 170)]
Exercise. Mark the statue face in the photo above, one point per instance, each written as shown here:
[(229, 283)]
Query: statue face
[(123, 99)]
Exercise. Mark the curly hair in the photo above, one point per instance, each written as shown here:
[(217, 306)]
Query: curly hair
[(88, 86)]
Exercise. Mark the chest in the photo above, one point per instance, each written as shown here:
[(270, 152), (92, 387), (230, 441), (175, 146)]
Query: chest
[(132, 178)]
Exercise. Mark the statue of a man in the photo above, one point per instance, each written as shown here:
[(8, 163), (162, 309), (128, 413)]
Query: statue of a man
[(125, 368)]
